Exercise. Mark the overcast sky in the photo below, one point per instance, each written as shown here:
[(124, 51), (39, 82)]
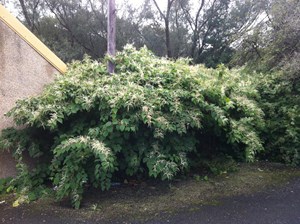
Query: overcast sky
[(162, 3)]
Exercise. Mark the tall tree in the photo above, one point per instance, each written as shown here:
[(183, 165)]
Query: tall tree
[(207, 31), (166, 17), (274, 44), (195, 22), (215, 25), (31, 11)]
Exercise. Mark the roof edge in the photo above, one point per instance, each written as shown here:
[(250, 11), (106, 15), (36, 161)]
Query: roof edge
[(13, 23)]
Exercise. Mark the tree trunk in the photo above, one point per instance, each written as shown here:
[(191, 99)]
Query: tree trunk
[(169, 53), (25, 13), (194, 46), (167, 24)]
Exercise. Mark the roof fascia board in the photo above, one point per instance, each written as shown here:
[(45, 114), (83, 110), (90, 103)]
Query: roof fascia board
[(31, 39)]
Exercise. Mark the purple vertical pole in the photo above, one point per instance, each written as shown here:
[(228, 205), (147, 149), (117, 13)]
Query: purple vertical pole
[(111, 33)]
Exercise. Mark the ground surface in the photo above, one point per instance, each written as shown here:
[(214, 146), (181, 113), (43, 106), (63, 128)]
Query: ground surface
[(260, 193), (276, 206)]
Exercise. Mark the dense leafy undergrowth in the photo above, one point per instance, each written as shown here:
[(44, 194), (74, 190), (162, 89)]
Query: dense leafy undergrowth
[(280, 101), (152, 118)]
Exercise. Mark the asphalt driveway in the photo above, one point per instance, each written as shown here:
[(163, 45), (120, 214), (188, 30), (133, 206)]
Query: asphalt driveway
[(273, 206)]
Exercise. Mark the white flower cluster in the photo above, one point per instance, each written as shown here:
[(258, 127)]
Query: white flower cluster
[(99, 148)]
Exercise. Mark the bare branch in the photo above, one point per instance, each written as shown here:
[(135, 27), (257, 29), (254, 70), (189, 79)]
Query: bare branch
[(159, 10), (25, 12)]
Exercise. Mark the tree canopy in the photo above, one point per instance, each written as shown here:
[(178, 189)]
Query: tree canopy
[(205, 31)]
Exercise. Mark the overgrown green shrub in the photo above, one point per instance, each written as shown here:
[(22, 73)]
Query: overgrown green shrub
[(280, 101), (148, 118)]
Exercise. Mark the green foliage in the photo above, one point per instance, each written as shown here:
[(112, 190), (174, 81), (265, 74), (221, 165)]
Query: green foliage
[(149, 118), (29, 139), (4, 185), (274, 44), (203, 31), (78, 160), (281, 103), (273, 48), (29, 142)]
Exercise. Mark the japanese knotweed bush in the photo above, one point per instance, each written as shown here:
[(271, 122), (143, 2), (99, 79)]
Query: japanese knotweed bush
[(147, 118), (280, 101)]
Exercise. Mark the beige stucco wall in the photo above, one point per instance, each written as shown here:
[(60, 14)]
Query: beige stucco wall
[(23, 73)]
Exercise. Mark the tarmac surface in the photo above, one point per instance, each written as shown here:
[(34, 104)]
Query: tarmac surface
[(280, 205), (274, 206)]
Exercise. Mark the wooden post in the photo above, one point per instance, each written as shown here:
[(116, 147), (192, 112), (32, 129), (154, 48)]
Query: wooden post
[(111, 33)]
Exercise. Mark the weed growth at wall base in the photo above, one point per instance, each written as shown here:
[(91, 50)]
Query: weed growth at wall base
[(150, 118)]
